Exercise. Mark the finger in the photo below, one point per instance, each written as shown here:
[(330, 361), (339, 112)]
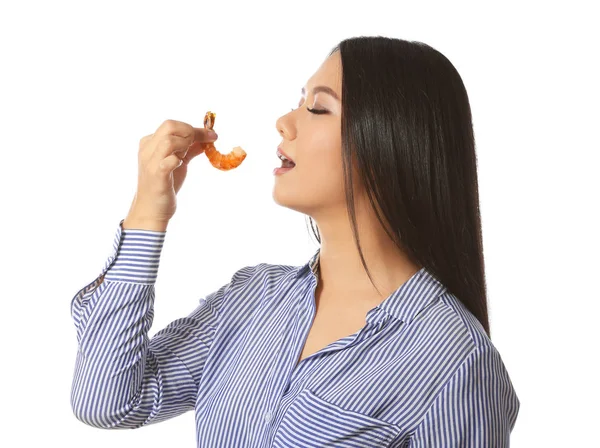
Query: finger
[(168, 164), (174, 127), (204, 135), (145, 139), (194, 150), (171, 144)]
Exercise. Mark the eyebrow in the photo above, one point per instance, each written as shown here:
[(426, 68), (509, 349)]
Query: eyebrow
[(324, 89)]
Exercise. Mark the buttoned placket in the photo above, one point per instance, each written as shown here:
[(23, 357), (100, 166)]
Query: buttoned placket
[(268, 416), (374, 321)]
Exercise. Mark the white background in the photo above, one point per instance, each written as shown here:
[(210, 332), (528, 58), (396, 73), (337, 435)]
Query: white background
[(82, 82)]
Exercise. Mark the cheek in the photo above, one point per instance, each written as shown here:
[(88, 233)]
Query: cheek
[(324, 154), (319, 171), (323, 176)]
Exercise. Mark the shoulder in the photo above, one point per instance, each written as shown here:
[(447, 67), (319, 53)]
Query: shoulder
[(251, 289), (459, 313), (463, 365), (253, 282), (261, 272), (446, 351), (449, 323), (448, 338)]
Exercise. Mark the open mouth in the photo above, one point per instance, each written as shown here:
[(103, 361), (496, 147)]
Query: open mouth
[(285, 162)]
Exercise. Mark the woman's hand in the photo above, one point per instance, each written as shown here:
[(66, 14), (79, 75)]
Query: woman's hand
[(163, 159)]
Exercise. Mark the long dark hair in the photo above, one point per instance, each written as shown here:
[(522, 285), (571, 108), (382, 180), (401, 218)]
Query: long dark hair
[(407, 129)]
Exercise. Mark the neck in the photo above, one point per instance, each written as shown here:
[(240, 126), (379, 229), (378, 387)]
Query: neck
[(340, 267)]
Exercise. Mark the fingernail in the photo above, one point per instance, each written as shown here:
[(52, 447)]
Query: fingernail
[(212, 135)]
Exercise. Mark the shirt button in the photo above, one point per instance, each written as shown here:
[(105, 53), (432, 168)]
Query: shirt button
[(268, 417)]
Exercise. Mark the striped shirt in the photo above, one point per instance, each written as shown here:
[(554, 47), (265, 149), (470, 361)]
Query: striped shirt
[(422, 372)]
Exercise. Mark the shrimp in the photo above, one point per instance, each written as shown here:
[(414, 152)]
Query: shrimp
[(223, 162)]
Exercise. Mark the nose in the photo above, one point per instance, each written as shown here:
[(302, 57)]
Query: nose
[(283, 126)]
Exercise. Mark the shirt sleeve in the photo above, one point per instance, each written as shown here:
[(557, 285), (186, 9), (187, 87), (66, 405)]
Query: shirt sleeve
[(122, 379), (477, 408)]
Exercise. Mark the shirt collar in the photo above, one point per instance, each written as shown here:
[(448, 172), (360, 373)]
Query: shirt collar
[(405, 302)]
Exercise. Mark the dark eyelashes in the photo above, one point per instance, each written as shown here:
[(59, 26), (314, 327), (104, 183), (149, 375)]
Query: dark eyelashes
[(314, 111)]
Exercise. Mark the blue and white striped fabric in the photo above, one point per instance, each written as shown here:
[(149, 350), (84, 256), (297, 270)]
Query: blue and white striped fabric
[(421, 373)]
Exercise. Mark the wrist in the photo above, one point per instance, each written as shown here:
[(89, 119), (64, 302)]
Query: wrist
[(144, 224)]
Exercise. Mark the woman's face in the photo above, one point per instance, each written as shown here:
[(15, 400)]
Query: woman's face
[(313, 142)]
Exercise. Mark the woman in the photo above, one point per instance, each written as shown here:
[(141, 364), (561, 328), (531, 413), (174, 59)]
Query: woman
[(381, 339)]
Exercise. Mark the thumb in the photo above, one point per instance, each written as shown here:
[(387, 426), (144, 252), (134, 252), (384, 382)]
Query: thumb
[(195, 149), (204, 135), (203, 138)]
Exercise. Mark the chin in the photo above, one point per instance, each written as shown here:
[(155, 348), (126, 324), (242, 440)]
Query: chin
[(287, 198), (282, 197)]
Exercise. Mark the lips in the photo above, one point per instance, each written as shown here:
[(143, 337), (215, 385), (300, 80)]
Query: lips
[(287, 161)]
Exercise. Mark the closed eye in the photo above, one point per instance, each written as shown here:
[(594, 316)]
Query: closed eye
[(314, 111)]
